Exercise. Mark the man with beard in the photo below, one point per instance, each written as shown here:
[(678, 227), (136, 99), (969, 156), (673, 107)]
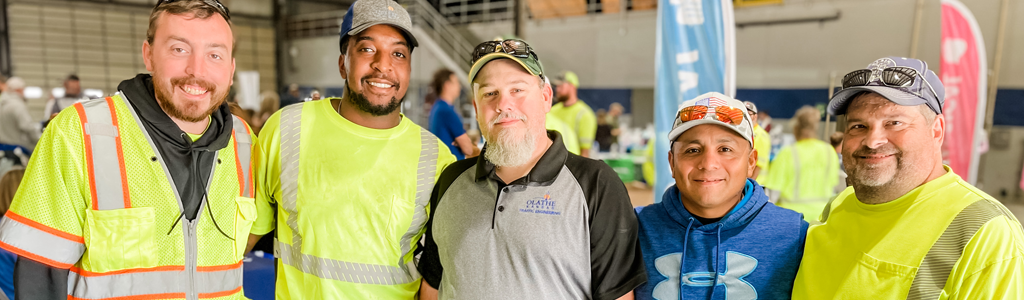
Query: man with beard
[(908, 227), (144, 194), (574, 112), (526, 219), (351, 177)]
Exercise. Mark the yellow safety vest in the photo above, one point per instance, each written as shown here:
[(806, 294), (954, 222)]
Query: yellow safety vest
[(309, 268), (123, 244)]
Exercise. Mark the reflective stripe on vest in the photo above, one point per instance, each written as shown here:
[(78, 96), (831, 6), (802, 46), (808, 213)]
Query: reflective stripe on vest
[(110, 190), (326, 268), (243, 151), (155, 283), (942, 256), (103, 150)]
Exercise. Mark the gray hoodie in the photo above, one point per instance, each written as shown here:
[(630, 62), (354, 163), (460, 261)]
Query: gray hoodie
[(16, 125)]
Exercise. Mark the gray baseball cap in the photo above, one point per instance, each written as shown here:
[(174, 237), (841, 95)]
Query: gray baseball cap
[(365, 13), (921, 86)]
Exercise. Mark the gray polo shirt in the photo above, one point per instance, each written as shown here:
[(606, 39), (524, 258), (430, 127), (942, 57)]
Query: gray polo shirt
[(565, 231)]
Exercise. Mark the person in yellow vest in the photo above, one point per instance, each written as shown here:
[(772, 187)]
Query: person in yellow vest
[(762, 145), (574, 112), (908, 227), (568, 136), (802, 175), (146, 194), (351, 177)]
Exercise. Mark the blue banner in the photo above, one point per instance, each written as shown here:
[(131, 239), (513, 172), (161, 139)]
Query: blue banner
[(695, 54)]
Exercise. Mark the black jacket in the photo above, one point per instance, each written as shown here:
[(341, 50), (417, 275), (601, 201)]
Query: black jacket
[(189, 163)]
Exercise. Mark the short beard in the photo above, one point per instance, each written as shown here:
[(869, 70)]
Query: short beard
[(361, 102), (510, 147), (872, 183), (190, 111), (562, 98)]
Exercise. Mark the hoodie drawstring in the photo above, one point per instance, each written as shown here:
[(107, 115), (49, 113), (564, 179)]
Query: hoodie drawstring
[(714, 270), (682, 259), (196, 176)]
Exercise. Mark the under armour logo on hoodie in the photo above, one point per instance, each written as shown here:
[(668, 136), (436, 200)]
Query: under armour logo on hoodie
[(737, 266)]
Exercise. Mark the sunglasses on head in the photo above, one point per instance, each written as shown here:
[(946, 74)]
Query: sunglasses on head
[(891, 77), (516, 48), (214, 3), (724, 114)]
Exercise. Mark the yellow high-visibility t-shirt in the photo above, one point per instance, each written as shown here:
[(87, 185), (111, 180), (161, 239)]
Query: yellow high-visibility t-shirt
[(569, 139), (945, 238), (362, 201), (580, 118)]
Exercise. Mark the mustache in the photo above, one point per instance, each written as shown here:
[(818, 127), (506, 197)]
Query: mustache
[(507, 115), (192, 80), (887, 149), (379, 75)]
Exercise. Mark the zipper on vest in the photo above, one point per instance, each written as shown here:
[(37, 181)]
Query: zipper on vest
[(191, 258)]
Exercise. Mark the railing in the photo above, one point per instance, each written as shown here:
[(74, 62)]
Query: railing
[(425, 17), (473, 11), (314, 25)]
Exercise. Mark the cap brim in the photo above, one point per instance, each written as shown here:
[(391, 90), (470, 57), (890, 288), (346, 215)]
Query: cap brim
[(675, 133), (841, 100), (492, 56), (412, 38)]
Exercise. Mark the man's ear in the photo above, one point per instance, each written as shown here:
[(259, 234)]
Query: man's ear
[(939, 129), (147, 55), (671, 163), (752, 163), (341, 67), (548, 97)]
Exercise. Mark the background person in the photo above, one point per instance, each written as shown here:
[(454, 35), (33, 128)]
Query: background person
[(445, 123), (17, 127), (574, 112), (72, 94), (803, 175), (762, 144)]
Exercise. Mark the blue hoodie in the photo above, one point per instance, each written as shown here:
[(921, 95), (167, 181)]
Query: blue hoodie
[(755, 250)]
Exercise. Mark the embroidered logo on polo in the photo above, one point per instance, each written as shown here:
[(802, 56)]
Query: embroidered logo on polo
[(541, 205), (737, 266)]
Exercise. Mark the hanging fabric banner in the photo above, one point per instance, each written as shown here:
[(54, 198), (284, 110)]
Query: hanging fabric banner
[(695, 54), (963, 73)]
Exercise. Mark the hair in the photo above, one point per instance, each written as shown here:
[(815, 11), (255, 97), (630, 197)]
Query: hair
[(72, 77), (836, 139), (270, 102), (197, 8), (8, 186), (805, 122), (928, 113), (441, 77)]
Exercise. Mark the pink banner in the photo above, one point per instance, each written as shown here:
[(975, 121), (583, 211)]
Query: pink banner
[(963, 75)]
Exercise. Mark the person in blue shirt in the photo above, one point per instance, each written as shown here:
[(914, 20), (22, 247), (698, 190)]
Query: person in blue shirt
[(714, 235), (444, 122)]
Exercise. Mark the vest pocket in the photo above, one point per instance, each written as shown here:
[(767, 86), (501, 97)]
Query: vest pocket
[(245, 214), (119, 239)]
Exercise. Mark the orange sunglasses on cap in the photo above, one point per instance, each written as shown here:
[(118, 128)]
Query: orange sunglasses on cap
[(724, 114)]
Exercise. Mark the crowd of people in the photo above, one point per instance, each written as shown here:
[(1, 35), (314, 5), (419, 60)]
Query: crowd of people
[(160, 190)]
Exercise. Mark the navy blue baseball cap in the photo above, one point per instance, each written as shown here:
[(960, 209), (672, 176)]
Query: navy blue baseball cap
[(904, 81), (365, 13)]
